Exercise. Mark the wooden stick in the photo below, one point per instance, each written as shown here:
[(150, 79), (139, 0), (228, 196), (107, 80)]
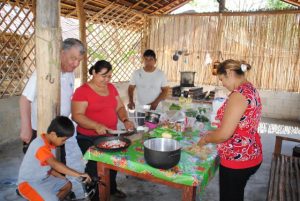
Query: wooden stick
[(82, 35)]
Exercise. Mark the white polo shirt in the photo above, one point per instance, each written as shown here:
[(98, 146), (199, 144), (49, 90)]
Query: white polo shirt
[(148, 84), (66, 92)]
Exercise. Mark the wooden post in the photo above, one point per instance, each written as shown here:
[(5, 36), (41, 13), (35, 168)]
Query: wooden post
[(48, 45), (82, 35), (104, 174), (145, 39), (221, 5)]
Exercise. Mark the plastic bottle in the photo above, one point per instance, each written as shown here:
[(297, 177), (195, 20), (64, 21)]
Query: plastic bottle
[(188, 102), (182, 100)]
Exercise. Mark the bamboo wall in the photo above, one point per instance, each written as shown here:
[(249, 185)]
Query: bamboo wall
[(269, 42), (17, 48), (121, 45), (117, 39)]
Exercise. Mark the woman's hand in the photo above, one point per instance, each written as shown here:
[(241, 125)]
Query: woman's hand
[(100, 129), (129, 125), (202, 142)]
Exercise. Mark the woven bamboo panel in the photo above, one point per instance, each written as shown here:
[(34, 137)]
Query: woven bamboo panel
[(117, 41), (16, 47), (268, 42)]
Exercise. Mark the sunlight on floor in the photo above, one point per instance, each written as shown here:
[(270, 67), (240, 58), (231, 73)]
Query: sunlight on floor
[(276, 128)]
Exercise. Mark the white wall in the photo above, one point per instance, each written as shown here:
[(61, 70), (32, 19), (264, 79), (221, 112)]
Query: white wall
[(9, 119), (281, 105)]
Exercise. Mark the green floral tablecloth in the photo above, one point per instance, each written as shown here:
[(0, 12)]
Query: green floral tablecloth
[(191, 170)]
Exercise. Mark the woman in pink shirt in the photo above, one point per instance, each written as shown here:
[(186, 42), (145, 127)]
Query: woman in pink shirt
[(237, 137), (96, 107)]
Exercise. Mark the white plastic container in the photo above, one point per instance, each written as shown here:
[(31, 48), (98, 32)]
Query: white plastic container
[(216, 104)]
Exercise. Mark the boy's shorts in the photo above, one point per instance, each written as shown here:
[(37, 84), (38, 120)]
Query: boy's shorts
[(44, 190)]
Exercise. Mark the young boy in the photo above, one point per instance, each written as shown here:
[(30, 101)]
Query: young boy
[(40, 174)]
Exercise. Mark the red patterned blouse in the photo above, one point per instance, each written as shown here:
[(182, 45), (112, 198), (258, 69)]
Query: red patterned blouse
[(244, 148)]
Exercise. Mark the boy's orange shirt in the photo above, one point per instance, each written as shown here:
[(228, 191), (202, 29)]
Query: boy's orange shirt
[(44, 152)]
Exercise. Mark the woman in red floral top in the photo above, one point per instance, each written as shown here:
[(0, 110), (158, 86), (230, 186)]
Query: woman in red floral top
[(237, 138)]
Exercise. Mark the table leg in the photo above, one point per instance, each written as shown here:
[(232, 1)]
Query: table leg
[(104, 185), (189, 193)]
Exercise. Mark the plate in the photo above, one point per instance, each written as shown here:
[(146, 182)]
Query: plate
[(112, 143)]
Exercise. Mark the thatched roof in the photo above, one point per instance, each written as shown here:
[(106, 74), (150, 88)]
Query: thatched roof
[(115, 12), (140, 6), (93, 7)]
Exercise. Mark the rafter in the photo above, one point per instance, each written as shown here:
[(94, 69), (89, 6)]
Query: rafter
[(293, 2)]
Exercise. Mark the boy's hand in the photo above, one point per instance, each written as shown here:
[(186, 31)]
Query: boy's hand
[(57, 174), (86, 178)]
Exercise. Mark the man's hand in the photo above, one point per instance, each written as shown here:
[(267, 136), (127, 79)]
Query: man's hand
[(25, 114), (131, 105), (26, 135), (154, 105)]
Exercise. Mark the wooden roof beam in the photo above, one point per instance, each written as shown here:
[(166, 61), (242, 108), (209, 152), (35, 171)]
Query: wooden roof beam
[(107, 8), (136, 4), (174, 8), (74, 11), (149, 6), (179, 4), (293, 2)]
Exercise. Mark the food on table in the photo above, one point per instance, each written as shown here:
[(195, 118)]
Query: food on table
[(166, 135), (202, 110), (165, 125), (179, 126), (174, 107), (191, 113), (201, 152), (112, 144), (202, 118)]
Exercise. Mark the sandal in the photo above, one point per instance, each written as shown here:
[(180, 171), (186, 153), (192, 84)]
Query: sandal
[(119, 194)]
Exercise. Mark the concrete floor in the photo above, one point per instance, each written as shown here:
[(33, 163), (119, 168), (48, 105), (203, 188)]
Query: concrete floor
[(139, 190)]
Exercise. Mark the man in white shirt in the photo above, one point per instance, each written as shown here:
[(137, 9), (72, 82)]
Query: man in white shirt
[(71, 54), (150, 82)]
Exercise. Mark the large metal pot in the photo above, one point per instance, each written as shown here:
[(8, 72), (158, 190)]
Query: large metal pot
[(162, 153)]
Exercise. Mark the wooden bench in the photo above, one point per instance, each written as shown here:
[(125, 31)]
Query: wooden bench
[(284, 182)]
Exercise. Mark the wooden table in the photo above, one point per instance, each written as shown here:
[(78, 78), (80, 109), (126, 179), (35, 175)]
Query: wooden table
[(189, 192), (192, 174)]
